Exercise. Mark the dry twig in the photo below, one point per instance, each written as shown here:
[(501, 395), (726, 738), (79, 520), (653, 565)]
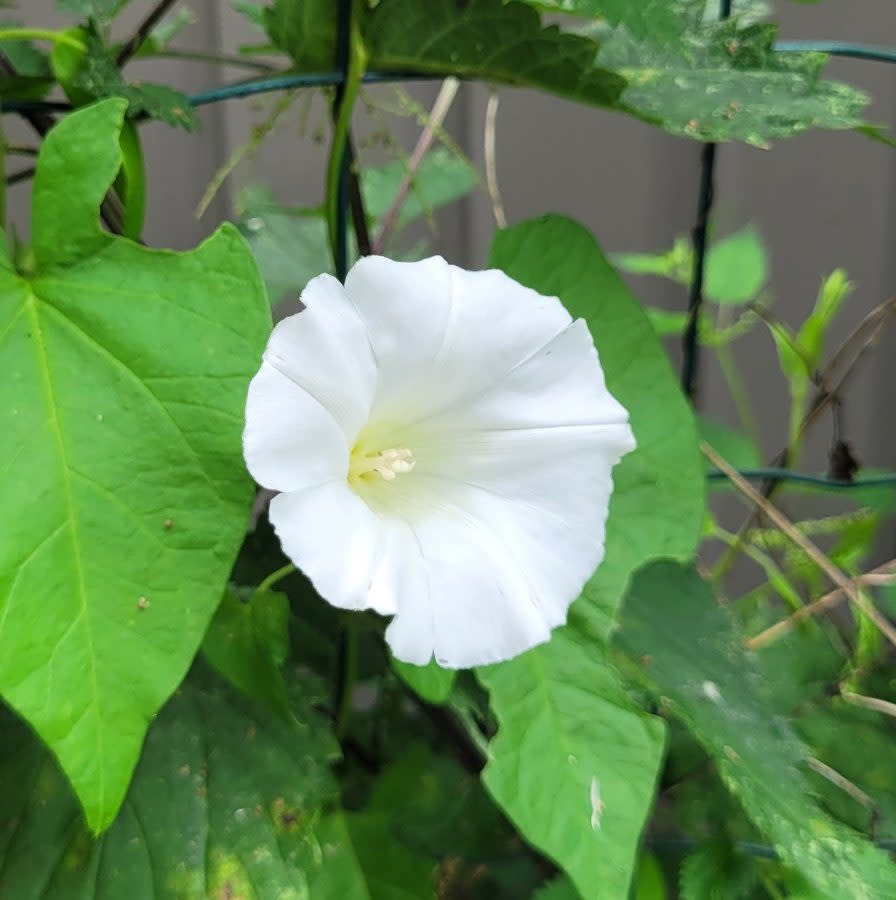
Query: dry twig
[(875, 703), (885, 574), (443, 101), (853, 593), (491, 164)]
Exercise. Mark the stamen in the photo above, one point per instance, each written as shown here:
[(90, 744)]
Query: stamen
[(387, 463)]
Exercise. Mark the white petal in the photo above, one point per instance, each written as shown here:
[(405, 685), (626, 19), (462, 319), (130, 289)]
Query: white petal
[(290, 441), (559, 386), (325, 350), (478, 608), (532, 462), (336, 540), (440, 333)]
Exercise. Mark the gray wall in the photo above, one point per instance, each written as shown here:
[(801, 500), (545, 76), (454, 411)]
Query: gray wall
[(821, 200)]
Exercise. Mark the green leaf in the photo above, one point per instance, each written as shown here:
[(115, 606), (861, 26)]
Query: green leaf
[(246, 642), (305, 30), (290, 249), (716, 871), (857, 743), (736, 268), (650, 884), (360, 860), (33, 78), (658, 496), (559, 888), (725, 81), (431, 682), (810, 338), (488, 39), (574, 762), (665, 323), (222, 805), (95, 75), (254, 12), (438, 809), (120, 425), (692, 656)]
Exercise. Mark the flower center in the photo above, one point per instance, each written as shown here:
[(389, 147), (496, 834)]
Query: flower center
[(385, 464)]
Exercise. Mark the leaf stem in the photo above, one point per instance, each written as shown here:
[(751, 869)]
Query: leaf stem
[(277, 575), (346, 677), (41, 34)]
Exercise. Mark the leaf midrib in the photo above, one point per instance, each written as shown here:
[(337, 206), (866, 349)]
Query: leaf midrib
[(31, 307)]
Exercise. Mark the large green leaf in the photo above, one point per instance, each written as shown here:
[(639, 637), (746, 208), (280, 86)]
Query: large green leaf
[(657, 504), (247, 643), (574, 762), (360, 860), (490, 39), (725, 81), (125, 371), (222, 805), (303, 29), (711, 81), (691, 655)]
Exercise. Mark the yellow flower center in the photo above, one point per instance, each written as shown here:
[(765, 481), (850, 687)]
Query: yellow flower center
[(382, 464)]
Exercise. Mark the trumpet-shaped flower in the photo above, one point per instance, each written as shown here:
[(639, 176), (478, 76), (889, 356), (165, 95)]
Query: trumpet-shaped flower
[(443, 444)]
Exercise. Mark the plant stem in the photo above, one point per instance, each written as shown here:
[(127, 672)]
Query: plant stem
[(213, 59), (143, 31), (346, 677), (277, 575), (41, 34)]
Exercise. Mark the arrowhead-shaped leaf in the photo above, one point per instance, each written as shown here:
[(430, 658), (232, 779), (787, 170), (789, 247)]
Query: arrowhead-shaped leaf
[(121, 477), (574, 762), (222, 804)]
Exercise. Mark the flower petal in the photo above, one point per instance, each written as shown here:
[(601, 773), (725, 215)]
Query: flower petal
[(478, 608), (440, 333), (336, 540), (532, 461), (290, 441), (324, 349)]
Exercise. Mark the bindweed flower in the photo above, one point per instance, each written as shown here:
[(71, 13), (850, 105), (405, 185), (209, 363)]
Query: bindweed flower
[(443, 443)]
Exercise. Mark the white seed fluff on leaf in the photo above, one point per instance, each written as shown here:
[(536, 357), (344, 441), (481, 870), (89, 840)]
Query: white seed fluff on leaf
[(443, 444)]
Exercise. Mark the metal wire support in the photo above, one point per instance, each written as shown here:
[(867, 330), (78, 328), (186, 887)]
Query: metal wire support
[(690, 365), (774, 475), (340, 250)]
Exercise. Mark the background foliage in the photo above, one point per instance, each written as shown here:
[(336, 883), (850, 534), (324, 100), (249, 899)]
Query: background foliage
[(183, 717)]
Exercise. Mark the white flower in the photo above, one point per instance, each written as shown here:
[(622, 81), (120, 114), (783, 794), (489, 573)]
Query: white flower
[(443, 443)]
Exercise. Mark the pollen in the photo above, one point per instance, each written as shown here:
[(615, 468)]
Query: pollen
[(384, 464)]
